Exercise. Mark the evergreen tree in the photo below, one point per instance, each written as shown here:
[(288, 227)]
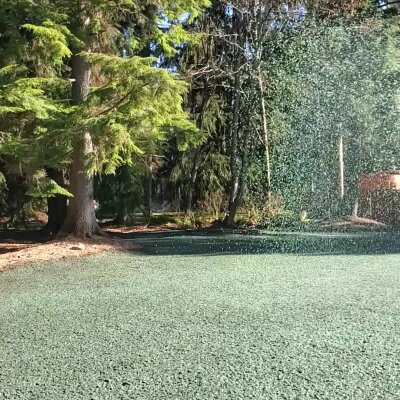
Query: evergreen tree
[(118, 100)]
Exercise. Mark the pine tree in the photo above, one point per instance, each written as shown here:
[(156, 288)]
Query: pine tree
[(118, 99)]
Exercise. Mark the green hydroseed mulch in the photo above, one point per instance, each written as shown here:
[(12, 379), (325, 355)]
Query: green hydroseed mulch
[(222, 326)]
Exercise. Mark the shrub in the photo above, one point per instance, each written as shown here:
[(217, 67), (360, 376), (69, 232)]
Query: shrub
[(270, 213), (214, 205), (187, 221), (194, 220)]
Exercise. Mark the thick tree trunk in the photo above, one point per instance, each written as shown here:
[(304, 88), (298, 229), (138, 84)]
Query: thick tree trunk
[(81, 218), (17, 186), (56, 206)]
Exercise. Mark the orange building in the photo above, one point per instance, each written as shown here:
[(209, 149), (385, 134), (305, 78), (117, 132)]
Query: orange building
[(379, 197)]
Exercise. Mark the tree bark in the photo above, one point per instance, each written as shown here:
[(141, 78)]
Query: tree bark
[(192, 181), (341, 168), (57, 205), (230, 218), (81, 218), (148, 191), (243, 171), (16, 199), (355, 208), (122, 213), (265, 131)]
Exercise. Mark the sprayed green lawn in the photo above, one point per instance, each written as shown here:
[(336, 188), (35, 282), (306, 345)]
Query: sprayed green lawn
[(222, 326)]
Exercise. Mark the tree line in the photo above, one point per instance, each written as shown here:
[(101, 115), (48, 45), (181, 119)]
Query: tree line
[(271, 106)]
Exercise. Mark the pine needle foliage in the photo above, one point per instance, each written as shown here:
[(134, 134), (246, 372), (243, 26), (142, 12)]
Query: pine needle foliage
[(132, 104)]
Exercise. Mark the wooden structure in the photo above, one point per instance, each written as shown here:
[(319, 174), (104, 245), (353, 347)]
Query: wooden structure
[(379, 197)]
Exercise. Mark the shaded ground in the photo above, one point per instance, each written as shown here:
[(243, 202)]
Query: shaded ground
[(180, 325), (267, 242)]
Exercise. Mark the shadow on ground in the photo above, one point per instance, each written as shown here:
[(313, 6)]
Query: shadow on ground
[(222, 242), (214, 243), (23, 236)]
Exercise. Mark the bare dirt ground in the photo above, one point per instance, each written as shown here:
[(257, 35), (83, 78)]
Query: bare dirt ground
[(19, 247), (26, 246)]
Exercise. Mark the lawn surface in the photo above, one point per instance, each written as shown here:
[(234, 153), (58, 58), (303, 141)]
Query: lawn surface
[(205, 317)]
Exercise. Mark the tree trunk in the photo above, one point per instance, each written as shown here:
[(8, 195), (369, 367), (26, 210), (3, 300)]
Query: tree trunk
[(265, 131), (230, 218), (355, 208), (243, 171), (341, 168), (122, 213), (192, 181), (148, 191), (16, 199), (81, 218), (56, 206)]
